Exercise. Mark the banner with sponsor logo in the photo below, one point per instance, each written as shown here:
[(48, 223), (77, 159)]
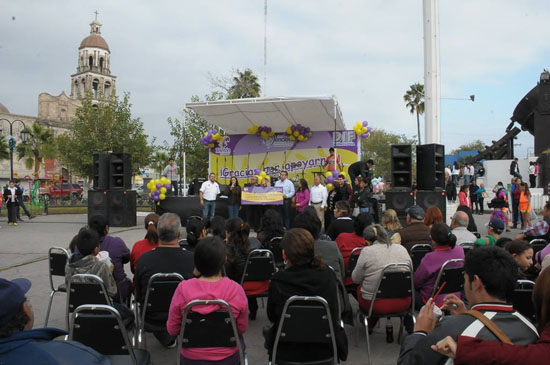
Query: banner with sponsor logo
[(259, 195), (239, 155)]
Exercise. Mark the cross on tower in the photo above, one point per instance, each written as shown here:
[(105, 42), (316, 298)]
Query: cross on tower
[(96, 14)]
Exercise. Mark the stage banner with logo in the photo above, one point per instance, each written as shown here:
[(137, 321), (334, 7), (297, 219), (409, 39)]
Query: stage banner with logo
[(239, 155), (259, 195)]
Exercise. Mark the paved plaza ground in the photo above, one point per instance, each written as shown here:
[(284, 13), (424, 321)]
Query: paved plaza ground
[(23, 253)]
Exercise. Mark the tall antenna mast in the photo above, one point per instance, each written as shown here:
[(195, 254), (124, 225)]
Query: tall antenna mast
[(265, 47)]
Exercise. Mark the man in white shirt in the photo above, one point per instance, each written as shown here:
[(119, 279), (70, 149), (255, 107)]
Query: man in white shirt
[(466, 174), (208, 192), (288, 193), (171, 172), (459, 227), (318, 198)]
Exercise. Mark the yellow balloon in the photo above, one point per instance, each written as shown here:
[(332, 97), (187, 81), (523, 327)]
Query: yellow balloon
[(168, 181), (300, 138), (264, 134), (263, 174), (259, 179), (328, 174), (329, 186), (296, 133), (150, 195), (288, 130), (153, 189), (343, 173), (162, 180), (205, 134), (163, 190), (364, 129), (292, 138), (162, 196)]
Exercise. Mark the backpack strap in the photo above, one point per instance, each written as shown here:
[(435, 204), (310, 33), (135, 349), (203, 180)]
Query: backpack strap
[(491, 326)]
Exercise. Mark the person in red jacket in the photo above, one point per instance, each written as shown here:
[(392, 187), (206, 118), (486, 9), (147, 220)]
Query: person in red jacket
[(469, 350), (150, 241)]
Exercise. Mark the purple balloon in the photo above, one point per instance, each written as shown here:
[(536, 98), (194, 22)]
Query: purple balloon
[(159, 185), (365, 123), (257, 171), (346, 180), (365, 135), (168, 187), (329, 180)]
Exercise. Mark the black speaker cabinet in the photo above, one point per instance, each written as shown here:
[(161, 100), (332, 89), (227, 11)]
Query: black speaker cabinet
[(122, 208), (430, 166), (401, 167), (399, 201), (100, 171), (432, 198), (120, 171), (98, 203)]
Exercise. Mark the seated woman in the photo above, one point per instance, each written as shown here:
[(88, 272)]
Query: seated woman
[(445, 248), (238, 247), (196, 231), (150, 241), (369, 268), (216, 227), (472, 351), (522, 252), (433, 216), (209, 258), (305, 274), (348, 241), (271, 226), (390, 222)]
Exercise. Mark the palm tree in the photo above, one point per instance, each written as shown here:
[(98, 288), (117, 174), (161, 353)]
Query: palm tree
[(39, 145), (159, 161), (414, 97), (245, 85), (4, 149)]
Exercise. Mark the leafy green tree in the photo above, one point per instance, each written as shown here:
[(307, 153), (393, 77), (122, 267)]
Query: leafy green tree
[(414, 99), (4, 149), (244, 85), (159, 160), (476, 145), (104, 127), (377, 147), (40, 144)]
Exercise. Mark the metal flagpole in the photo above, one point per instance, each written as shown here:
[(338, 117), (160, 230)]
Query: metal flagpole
[(432, 123)]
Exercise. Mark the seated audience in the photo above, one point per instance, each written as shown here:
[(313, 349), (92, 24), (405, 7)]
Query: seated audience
[(433, 216), (197, 230), (459, 226), (522, 252), (502, 241), (20, 344), (342, 221), (168, 257), (306, 274), (541, 229), (118, 253), (445, 248), (472, 351), (489, 280), (216, 227), (390, 222), (271, 226), (415, 232), (369, 268), (209, 258), (494, 230), (348, 241), (150, 241)]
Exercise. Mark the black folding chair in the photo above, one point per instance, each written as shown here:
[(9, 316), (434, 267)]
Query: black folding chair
[(183, 244), (467, 247), (260, 266), (352, 262), (274, 245), (160, 290), (538, 244), (305, 320), (477, 234), (215, 329), (58, 257), (100, 327), (451, 273), (522, 299), (396, 281), (85, 289), (418, 252)]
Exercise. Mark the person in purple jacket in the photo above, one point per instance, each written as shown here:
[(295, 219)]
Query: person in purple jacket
[(118, 253), (445, 248)]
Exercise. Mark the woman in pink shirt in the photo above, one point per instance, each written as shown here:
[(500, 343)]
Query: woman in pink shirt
[(209, 284), (464, 197), (302, 196)]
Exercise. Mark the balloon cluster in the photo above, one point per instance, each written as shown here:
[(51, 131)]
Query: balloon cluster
[(211, 139), (362, 129), (261, 131), (377, 184), (260, 175), (299, 133), (159, 188), (330, 178)]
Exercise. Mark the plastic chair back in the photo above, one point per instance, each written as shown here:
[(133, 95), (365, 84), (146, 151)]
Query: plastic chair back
[(418, 252)]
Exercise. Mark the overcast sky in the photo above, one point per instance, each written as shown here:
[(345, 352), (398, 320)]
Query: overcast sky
[(365, 52)]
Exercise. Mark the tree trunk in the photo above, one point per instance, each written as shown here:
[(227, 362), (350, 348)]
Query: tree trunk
[(418, 126)]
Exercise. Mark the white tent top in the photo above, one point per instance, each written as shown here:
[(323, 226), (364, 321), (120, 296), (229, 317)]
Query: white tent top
[(237, 115)]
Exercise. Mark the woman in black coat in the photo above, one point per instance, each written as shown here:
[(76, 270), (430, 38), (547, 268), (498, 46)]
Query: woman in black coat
[(11, 197)]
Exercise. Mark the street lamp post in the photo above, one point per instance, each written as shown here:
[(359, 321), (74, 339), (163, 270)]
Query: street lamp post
[(12, 141)]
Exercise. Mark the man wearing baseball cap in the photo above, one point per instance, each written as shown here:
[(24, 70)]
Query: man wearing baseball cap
[(416, 230), (494, 230), (20, 344)]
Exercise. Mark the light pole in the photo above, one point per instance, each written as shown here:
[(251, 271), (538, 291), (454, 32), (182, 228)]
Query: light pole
[(12, 140)]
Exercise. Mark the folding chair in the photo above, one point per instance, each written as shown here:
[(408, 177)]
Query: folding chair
[(160, 290), (352, 262), (392, 284), (215, 329), (274, 245), (467, 247), (85, 289), (418, 252), (451, 273), (477, 234), (522, 299), (58, 257), (100, 327), (305, 320), (259, 267), (538, 244)]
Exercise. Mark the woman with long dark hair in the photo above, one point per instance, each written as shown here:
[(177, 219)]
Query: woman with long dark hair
[(150, 241), (271, 226), (233, 193), (302, 196), (196, 231)]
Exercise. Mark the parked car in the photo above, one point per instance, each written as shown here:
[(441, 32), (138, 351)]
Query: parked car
[(62, 191)]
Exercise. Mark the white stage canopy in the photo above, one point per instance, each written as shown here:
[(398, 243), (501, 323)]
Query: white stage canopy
[(235, 116)]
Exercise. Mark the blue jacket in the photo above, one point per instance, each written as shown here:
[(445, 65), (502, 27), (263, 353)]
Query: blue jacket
[(38, 347)]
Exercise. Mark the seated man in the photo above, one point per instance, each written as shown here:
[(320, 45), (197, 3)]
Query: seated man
[(415, 232), (342, 221), (494, 230), (168, 257), (459, 226), (20, 344), (490, 275)]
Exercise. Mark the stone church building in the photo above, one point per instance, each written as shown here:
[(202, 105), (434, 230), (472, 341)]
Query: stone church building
[(93, 74)]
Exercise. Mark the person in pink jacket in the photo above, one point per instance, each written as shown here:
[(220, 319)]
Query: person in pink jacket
[(210, 257), (302, 196), (464, 196)]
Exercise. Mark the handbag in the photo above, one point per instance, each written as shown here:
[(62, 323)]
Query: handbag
[(484, 195), (490, 325)]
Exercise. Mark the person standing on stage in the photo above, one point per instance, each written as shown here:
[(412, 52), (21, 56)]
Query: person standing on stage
[(171, 172), (318, 198), (12, 196), (360, 168), (288, 193), (233, 193), (332, 162), (208, 193)]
